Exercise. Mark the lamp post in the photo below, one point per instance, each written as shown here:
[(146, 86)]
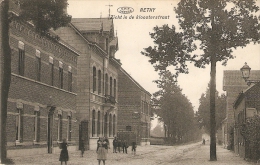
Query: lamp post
[(245, 70)]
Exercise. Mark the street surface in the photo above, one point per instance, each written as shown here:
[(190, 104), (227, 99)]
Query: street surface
[(191, 154)]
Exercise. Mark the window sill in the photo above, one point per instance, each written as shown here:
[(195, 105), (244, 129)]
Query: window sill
[(18, 143), (39, 143)]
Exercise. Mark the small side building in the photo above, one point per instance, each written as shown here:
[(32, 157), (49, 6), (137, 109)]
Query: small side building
[(233, 84), (246, 105)]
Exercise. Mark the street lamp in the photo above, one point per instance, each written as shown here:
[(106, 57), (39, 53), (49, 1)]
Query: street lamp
[(245, 70)]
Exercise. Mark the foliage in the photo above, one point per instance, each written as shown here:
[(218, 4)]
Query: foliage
[(176, 112), (204, 113), (215, 27), (44, 14), (250, 131)]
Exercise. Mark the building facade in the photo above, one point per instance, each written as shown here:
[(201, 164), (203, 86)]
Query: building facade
[(97, 83), (42, 95), (134, 108), (233, 84), (246, 105)]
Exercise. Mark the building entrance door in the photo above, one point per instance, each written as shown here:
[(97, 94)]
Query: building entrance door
[(83, 135)]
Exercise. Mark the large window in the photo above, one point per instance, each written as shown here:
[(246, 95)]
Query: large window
[(59, 125), (94, 79), (114, 125), (106, 84), (38, 65), (93, 123), (69, 127), (115, 88), (51, 70), (36, 124), (61, 75), (105, 125), (19, 125), (99, 81), (110, 125), (69, 79), (21, 58), (98, 124), (111, 86)]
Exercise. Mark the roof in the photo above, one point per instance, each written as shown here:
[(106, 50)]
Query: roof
[(131, 78), (92, 24), (234, 78), (253, 87)]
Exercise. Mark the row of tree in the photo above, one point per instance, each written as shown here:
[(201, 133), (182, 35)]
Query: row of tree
[(203, 112), (176, 113)]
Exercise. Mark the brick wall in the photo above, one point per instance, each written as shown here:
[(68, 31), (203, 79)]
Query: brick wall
[(30, 93)]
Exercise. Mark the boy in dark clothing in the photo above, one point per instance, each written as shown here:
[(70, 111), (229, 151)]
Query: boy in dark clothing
[(125, 146), (114, 145), (134, 147), (119, 145)]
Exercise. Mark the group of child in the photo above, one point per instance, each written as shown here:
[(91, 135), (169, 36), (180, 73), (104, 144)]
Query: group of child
[(102, 149), (118, 144)]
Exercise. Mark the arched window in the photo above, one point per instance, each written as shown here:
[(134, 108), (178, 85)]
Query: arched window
[(106, 84), (105, 125), (115, 88), (93, 123), (94, 79), (98, 124), (110, 125), (111, 86), (99, 81), (114, 125)]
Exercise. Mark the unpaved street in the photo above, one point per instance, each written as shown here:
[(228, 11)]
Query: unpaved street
[(195, 153)]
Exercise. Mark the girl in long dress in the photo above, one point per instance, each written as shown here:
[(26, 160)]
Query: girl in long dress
[(102, 150), (64, 155)]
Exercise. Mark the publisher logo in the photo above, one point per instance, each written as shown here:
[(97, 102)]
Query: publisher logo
[(125, 10)]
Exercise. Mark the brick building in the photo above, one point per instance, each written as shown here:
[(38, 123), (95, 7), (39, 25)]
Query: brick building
[(97, 83), (246, 105), (233, 84), (42, 95), (134, 108)]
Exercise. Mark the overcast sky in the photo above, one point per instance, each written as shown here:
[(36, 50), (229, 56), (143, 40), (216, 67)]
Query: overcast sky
[(134, 35)]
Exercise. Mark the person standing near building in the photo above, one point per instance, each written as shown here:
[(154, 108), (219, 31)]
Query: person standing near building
[(82, 148), (125, 146), (102, 151), (114, 145), (64, 155), (119, 145), (134, 147), (108, 144)]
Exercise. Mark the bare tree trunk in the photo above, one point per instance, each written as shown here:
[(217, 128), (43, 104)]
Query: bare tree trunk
[(5, 59), (213, 154)]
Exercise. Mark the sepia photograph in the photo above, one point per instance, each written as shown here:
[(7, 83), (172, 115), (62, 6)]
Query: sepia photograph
[(120, 82)]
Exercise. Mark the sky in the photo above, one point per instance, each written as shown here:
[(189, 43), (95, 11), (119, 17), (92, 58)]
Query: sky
[(133, 36)]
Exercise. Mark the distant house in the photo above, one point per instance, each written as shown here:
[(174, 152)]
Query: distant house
[(233, 84), (246, 105)]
